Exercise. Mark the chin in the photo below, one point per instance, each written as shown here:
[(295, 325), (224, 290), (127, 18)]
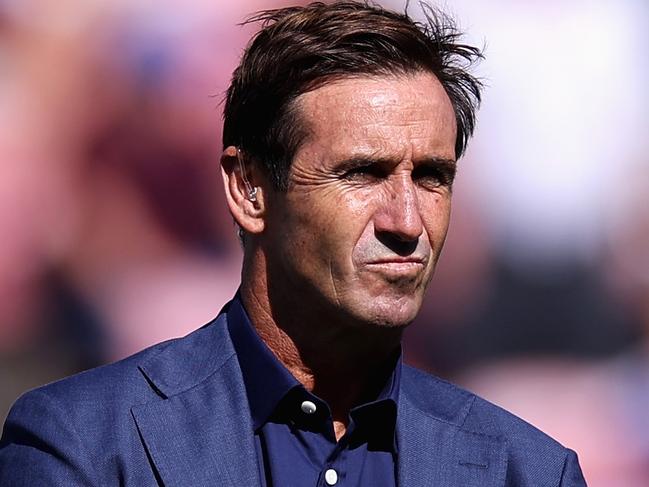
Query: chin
[(389, 312)]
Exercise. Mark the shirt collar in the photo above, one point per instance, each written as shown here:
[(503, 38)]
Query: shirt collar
[(268, 382), (378, 418)]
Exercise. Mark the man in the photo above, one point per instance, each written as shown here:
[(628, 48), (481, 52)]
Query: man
[(343, 125)]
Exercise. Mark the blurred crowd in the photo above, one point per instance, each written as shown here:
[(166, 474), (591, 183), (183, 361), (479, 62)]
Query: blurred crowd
[(114, 233)]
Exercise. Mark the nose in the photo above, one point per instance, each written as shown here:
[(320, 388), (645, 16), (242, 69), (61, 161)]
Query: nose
[(398, 219)]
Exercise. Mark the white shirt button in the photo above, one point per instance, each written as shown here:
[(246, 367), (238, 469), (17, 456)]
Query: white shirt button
[(331, 477), (308, 408)]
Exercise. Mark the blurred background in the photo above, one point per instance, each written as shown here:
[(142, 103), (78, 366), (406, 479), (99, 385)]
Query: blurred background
[(114, 234)]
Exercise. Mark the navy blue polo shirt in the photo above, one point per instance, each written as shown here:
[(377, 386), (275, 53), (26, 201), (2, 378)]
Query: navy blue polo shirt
[(294, 433)]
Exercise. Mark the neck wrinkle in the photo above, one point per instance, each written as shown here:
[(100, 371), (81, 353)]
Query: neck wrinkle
[(336, 361)]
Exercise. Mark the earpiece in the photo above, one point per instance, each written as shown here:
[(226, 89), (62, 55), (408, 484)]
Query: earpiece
[(252, 192)]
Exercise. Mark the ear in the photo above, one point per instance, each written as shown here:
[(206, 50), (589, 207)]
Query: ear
[(249, 213)]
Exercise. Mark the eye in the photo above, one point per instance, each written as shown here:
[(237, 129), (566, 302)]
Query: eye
[(434, 176), (365, 173)]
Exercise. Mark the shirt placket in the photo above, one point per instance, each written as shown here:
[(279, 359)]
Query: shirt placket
[(334, 470)]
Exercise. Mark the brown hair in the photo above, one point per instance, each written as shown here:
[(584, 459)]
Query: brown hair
[(299, 49)]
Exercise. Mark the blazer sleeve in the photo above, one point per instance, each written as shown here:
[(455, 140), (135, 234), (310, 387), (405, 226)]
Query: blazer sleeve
[(572, 475), (39, 446)]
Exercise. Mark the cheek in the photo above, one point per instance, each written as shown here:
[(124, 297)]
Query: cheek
[(327, 226), (436, 215), (366, 247), (356, 211)]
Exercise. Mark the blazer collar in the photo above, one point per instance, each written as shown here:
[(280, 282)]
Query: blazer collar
[(199, 430)]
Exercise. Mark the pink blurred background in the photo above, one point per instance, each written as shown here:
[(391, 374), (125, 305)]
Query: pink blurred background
[(114, 233)]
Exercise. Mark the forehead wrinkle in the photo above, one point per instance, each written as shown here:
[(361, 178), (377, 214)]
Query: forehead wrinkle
[(377, 142), (376, 131), (375, 95), (372, 115), (412, 141)]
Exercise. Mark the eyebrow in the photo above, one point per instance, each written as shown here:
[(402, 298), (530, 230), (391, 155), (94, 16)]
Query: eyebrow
[(362, 161)]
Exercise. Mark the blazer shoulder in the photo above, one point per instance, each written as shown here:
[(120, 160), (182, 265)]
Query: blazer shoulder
[(82, 429), (67, 432), (532, 453), (529, 450), (467, 410), (122, 379), (160, 370)]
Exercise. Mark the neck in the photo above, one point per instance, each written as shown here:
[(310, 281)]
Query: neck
[(342, 363)]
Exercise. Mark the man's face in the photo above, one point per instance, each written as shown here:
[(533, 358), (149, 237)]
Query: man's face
[(364, 219)]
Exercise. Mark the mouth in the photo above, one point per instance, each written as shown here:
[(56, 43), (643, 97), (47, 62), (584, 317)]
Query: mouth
[(398, 260), (395, 268)]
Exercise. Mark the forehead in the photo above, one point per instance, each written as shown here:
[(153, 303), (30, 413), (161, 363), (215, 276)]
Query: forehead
[(393, 115)]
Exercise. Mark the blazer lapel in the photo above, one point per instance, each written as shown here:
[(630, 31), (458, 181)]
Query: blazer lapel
[(435, 451), (199, 431)]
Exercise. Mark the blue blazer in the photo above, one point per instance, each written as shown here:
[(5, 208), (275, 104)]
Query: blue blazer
[(176, 414)]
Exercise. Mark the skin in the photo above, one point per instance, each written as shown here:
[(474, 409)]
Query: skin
[(336, 267)]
